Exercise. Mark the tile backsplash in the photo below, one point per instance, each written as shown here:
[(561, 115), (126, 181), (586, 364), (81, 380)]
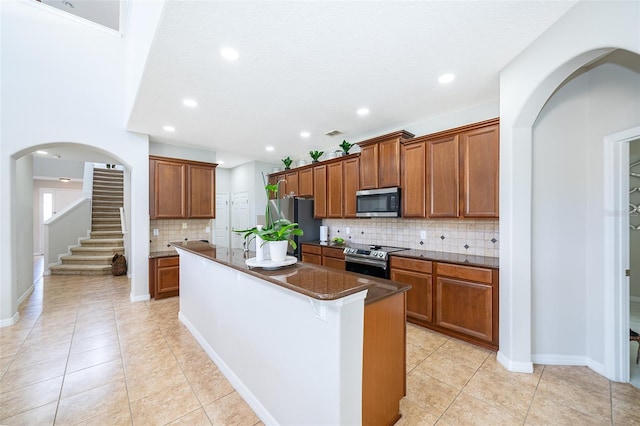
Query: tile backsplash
[(172, 230), (473, 237)]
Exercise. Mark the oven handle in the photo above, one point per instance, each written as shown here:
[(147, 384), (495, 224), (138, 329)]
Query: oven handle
[(372, 262)]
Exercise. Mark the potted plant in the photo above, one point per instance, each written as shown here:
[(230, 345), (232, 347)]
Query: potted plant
[(277, 232), (346, 146), (315, 155), (287, 163)]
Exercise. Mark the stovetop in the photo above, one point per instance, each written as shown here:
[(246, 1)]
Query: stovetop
[(371, 251)]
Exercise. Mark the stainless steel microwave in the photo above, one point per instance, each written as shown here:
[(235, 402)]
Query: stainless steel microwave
[(383, 202)]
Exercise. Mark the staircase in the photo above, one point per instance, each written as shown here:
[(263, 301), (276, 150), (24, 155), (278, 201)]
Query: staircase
[(93, 256)]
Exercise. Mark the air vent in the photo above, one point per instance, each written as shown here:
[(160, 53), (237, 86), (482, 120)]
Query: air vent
[(333, 133)]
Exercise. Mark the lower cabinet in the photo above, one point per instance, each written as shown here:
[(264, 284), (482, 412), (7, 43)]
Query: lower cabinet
[(312, 254), (460, 301), (164, 277), (333, 257)]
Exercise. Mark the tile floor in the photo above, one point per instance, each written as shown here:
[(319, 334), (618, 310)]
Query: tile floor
[(81, 353)]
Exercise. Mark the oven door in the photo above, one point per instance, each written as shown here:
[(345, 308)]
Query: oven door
[(374, 268)]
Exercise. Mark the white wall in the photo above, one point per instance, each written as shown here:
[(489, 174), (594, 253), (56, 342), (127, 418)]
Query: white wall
[(634, 240), (525, 86), (23, 229), (183, 152), (55, 168), (79, 99), (567, 225)]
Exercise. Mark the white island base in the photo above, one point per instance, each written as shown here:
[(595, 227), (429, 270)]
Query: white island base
[(296, 360)]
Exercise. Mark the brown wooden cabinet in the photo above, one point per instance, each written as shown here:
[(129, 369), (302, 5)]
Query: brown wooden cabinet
[(443, 177), (320, 191), (333, 257), (334, 189), (305, 182), (350, 181), (181, 189), (164, 277), (417, 273), (466, 301), (290, 184), (380, 160), (413, 194), (312, 253), (480, 159)]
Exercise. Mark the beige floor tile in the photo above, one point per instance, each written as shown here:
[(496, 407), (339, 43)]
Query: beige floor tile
[(464, 353), (467, 410), (625, 392), (93, 342), (108, 398), (577, 376), (194, 418), (18, 377), (140, 362), (165, 406), (546, 411), (209, 385), (94, 330), (231, 410), (415, 355), (119, 417), (25, 357), (588, 401), (414, 415), (425, 338), (40, 416), (147, 382), (92, 377), (446, 369), (625, 403), (28, 397), (498, 370), (81, 360), (428, 393)]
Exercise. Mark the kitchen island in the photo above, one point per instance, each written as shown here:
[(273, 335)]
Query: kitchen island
[(303, 344)]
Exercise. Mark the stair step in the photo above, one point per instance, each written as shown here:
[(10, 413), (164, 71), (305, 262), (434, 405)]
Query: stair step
[(107, 186), (80, 269), (107, 192), (105, 220), (108, 179), (107, 213), (102, 242), (107, 227), (79, 259), (106, 234), (108, 197), (96, 251)]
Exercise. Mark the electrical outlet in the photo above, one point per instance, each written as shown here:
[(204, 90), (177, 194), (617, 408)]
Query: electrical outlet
[(207, 230), (156, 232), (423, 235), (347, 231), (184, 225)]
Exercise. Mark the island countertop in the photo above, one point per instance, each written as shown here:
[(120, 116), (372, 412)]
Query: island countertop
[(315, 281)]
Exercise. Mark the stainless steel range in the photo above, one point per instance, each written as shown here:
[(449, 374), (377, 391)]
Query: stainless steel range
[(369, 259)]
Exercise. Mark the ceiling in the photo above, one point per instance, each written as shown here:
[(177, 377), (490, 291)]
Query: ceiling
[(308, 66)]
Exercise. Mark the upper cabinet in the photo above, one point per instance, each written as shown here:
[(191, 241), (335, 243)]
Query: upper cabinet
[(380, 160), (305, 183), (350, 181), (181, 189), (452, 174)]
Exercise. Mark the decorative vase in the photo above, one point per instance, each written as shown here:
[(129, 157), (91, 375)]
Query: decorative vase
[(278, 250)]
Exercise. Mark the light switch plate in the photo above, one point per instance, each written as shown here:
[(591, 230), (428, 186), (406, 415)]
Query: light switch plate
[(156, 232), (423, 235), (347, 231), (184, 225), (207, 229)]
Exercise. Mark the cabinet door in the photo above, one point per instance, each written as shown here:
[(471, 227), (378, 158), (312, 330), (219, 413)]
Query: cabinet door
[(351, 181), (305, 183), (169, 190), (201, 186), (389, 163), (369, 167), (273, 179), (413, 180), (443, 177), (167, 277), (334, 190), (315, 259), (465, 307), (419, 297), (333, 263), (291, 184), (320, 192), (480, 152)]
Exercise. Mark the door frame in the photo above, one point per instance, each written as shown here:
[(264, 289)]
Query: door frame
[(616, 261)]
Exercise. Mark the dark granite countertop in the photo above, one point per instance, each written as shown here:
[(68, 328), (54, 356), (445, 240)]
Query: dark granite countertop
[(318, 282), (437, 256), (163, 253)]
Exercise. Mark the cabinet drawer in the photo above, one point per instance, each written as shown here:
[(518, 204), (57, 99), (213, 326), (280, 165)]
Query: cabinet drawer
[(311, 249), (312, 258), (331, 262), (415, 265), (164, 262), (470, 273), (337, 253)]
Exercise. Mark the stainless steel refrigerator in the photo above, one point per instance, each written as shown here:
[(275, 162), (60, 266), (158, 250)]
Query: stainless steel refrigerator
[(299, 210)]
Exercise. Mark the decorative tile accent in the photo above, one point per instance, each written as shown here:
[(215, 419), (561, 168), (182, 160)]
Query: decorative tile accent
[(466, 246), (493, 240)]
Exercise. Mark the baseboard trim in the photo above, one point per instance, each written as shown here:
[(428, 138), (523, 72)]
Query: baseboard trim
[(26, 294), (554, 359), (140, 298), (514, 366), (10, 321)]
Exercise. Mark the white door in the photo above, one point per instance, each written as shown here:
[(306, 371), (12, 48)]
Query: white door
[(222, 219), (239, 216)]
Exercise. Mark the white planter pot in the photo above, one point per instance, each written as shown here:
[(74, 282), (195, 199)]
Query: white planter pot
[(278, 250)]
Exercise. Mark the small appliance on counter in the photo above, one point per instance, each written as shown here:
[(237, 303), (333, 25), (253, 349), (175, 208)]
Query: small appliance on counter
[(324, 234)]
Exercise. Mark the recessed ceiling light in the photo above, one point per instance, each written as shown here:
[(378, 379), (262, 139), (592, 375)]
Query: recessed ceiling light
[(220, 162), (363, 111), (169, 129), (64, 179), (269, 148), (190, 103), (446, 78), (229, 53), (42, 152), (305, 134)]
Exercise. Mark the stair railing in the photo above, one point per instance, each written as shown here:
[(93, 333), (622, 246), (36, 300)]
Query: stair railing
[(123, 221)]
